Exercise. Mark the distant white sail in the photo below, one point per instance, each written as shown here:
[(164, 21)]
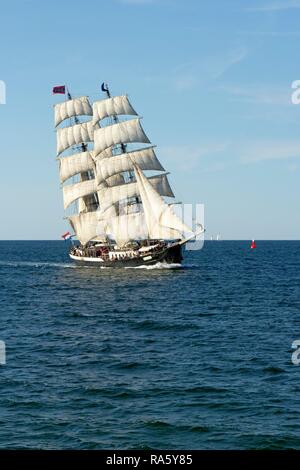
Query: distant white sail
[(115, 106), (70, 108), (74, 164), (122, 132), (74, 135), (111, 195), (87, 226), (145, 158), (157, 212), (72, 192)]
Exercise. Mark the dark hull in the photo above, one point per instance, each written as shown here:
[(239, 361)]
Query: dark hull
[(170, 255)]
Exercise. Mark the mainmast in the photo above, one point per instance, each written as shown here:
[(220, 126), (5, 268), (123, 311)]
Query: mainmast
[(130, 174), (124, 190), (78, 164)]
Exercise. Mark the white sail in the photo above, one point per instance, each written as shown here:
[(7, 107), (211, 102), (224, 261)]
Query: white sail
[(115, 180), (105, 154), (74, 135), (76, 163), (107, 214), (164, 233), (115, 106), (81, 205), (145, 158), (127, 227), (111, 195), (157, 212), (72, 192), (122, 132), (70, 108), (87, 226)]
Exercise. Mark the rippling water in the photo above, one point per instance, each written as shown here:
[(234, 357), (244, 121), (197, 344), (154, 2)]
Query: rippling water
[(195, 358)]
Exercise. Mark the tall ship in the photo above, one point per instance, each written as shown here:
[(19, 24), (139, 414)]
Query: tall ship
[(115, 190)]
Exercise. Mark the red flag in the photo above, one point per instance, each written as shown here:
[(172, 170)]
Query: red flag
[(66, 236), (59, 89)]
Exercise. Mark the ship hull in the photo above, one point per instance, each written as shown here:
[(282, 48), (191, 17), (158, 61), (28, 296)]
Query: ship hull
[(170, 255)]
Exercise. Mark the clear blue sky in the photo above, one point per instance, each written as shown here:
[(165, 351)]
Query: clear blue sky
[(212, 80)]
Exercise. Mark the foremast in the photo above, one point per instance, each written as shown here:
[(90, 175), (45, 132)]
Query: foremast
[(89, 202)]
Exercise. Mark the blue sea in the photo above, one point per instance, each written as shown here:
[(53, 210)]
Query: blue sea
[(190, 358)]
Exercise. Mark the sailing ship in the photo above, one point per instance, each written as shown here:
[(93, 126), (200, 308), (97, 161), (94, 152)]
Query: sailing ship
[(118, 213)]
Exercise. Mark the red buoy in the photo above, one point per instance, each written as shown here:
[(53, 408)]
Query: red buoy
[(253, 244)]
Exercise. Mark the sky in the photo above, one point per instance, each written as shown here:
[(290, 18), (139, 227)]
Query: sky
[(212, 80)]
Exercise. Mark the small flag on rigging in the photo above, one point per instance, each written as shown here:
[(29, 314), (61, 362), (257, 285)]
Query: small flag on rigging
[(253, 244), (66, 236), (103, 87), (59, 89)]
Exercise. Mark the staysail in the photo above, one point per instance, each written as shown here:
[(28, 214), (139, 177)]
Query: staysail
[(159, 216)]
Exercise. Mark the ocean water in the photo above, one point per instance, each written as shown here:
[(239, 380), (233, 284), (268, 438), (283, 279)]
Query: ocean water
[(192, 358)]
